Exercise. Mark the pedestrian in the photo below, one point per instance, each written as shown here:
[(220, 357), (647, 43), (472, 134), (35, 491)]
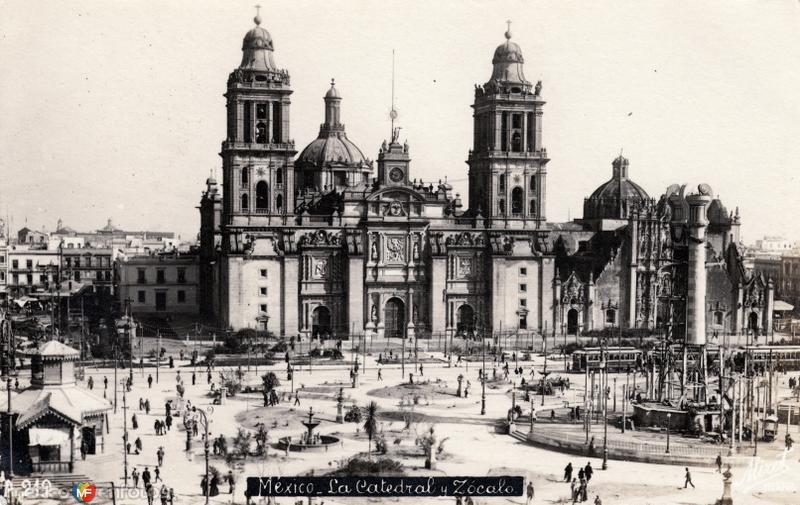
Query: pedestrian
[(171, 495), (420, 369), (568, 472), (581, 474), (146, 477), (597, 500), (530, 491), (168, 407), (151, 494), (147, 406), (588, 471), (150, 381), (788, 440), (160, 455), (138, 445), (91, 383), (157, 473), (169, 422), (231, 482), (164, 494), (127, 449), (688, 480), (718, 461), (157, 426), (573, 490), (135, 475), (141, 403), (380, 377), (134, 422), (194, 429), (591, 447), (178, 377), (105, 381), (208, 377), (194, 378), (83, 449), (296, 399)]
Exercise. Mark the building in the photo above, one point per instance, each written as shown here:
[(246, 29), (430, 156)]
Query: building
[(93, 267), (31, 269), (33, 237), (53, 417), (775, 245), (790, 278), (159, 283), (331, 243)]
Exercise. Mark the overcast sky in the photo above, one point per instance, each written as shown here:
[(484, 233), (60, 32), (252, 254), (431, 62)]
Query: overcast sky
[(115, 109)]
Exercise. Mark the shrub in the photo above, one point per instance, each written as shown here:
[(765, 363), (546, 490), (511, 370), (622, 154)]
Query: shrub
[(353, 415), (383, 466)]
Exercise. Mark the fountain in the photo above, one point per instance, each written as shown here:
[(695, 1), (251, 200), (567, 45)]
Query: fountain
[(308, 440)]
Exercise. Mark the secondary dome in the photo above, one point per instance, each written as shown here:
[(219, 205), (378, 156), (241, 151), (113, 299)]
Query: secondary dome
[(333, 149), (257, 49), (617, 197)]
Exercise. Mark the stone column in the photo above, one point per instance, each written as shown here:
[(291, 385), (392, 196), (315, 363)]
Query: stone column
[(355, 293), (437, 299), (289, 296), (696, 295)]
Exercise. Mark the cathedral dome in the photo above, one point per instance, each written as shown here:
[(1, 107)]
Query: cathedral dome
[(333, 149), (616, 197), (257, 49)]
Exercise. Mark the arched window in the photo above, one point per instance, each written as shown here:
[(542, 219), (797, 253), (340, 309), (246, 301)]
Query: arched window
[(279, 176), (245, 176), (262, 195), (261, 133), (279, 202), (611, 316), (502, 182), (244, 202), (533, 184), (517, 205)]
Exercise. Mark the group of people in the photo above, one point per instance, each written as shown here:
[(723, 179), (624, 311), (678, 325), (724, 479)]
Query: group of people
[(579, 487), (166, 494)]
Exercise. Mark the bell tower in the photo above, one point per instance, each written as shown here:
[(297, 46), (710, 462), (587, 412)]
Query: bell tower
[(258, 172), (507, 174)]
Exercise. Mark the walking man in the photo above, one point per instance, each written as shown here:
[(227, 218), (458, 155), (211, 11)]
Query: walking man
[(150, 381), (160, 455), (135, 475), (296, 399), (568, 472), (588, 471), (718, 461), (688, 479), (380, 377), (146, 477), (530, 491)]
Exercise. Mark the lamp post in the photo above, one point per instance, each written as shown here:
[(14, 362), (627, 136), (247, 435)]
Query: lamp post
[(205, 449), (669, 416), (483, 374), (604, 372), (10, 431), (125, 430)]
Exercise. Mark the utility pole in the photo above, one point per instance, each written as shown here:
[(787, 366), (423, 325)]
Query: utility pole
[(10, 430), (604, 372), (116, 350), (483, 374), (158, 355)]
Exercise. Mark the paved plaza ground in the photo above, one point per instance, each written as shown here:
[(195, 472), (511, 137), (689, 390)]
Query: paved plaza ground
[(473, 445)]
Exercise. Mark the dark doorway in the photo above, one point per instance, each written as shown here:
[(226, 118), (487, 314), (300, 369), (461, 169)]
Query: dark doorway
[(321, 322), (88, 440), (752, 322), (465, 320), (572, 322), (161, 300), (395, 318)]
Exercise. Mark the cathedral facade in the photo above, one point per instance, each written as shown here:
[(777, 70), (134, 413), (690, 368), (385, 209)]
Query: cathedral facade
[(329, 243)]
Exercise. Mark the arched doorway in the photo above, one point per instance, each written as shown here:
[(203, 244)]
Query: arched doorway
[(394, 316), (752, 322), (321, 322), (465, 320), (572, 322)]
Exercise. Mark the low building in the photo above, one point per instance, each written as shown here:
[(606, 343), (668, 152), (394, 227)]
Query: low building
[(163, 283), (28, 236), (31, 269), (53, 418), (90, 266)]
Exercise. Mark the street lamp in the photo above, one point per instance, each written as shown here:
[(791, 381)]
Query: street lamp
[(483, 374), (207, 489), (669, 416), (604, 372), (125, 429)]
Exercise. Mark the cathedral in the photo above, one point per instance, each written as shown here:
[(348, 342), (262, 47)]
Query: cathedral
[(331, 243)]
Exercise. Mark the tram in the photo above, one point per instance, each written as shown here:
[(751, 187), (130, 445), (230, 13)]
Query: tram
[(618, 359), (785, 357)]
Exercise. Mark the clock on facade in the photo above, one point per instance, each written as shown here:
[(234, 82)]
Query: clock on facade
[(396, 175)]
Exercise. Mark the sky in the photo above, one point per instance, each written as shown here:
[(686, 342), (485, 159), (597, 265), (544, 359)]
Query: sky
[(115, 109)]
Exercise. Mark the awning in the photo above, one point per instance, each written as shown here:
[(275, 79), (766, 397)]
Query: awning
[(47, 436), (781, 306)]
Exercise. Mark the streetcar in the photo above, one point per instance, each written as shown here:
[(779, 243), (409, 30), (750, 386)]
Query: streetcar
[(618, 359), (762, 357)]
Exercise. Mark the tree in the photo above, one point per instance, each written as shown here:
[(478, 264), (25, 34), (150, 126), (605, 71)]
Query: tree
[(270, 382), (230, 381), (261, 438), (370, 424), (242, 442)]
